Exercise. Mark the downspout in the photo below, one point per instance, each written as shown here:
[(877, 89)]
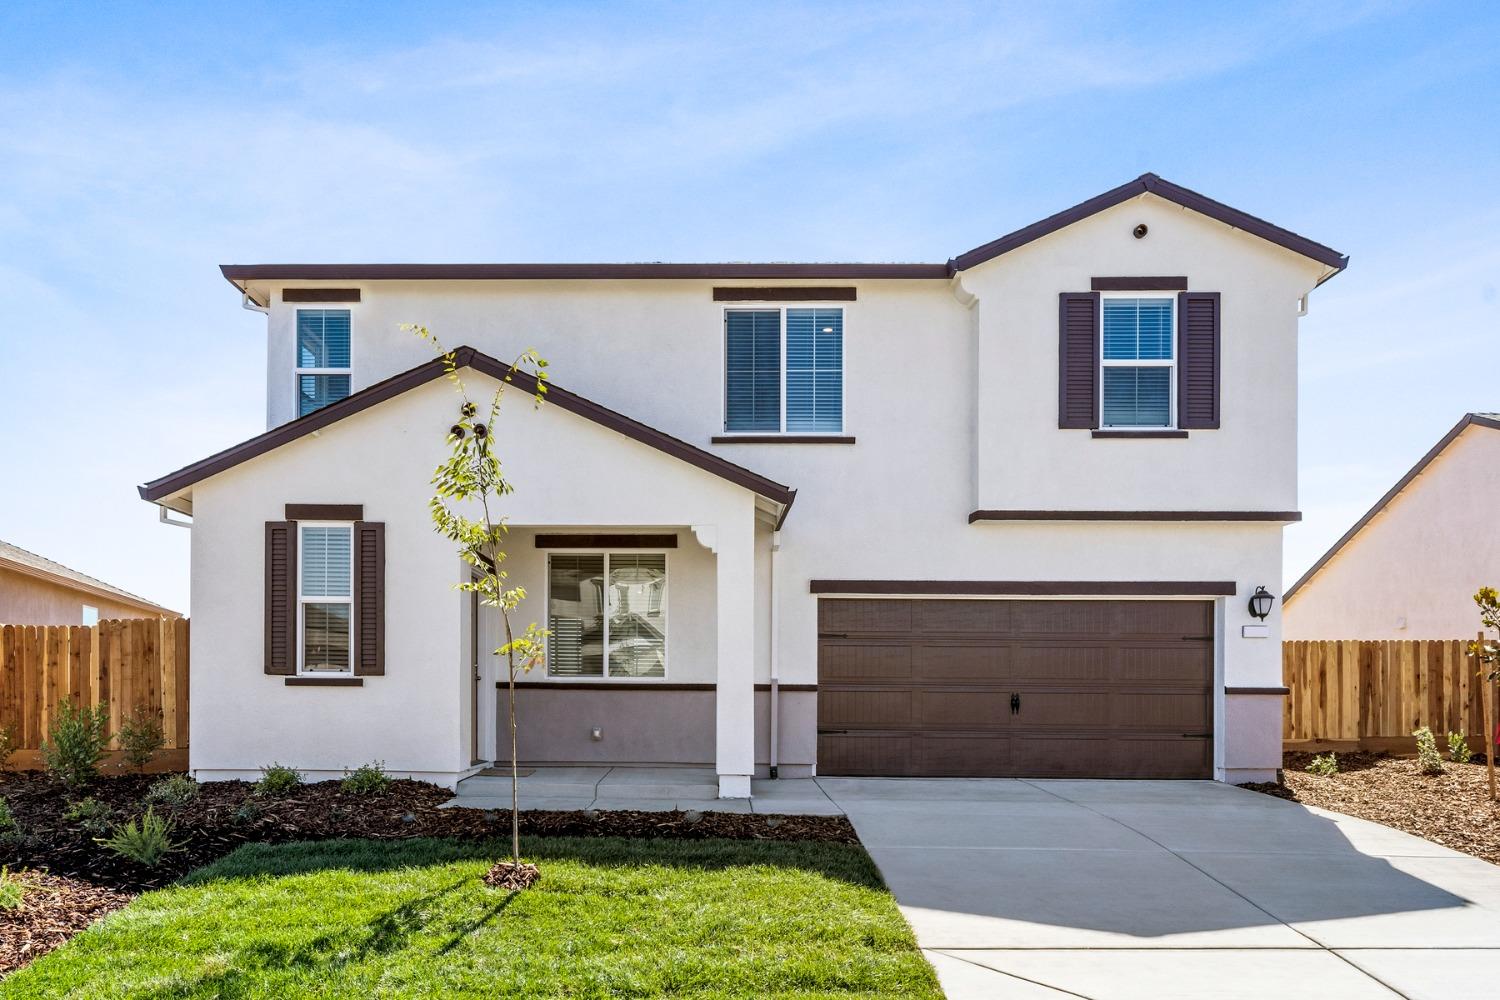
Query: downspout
[(246, 302), (775, 660)]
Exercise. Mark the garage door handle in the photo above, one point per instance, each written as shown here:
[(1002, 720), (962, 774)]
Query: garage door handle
[(1197, 736)]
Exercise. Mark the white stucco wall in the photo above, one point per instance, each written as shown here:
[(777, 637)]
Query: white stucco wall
[(1411, 572)]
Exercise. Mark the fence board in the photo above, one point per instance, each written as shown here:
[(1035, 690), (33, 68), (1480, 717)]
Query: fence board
[(130, 665), (1376, 691)]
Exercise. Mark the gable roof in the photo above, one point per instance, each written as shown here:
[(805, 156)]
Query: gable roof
[(467, 357), (1490, 420), (21, 560), (240, 275)]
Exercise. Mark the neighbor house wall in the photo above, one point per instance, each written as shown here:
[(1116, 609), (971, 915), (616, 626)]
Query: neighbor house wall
[(27, 600), (1411, 572)]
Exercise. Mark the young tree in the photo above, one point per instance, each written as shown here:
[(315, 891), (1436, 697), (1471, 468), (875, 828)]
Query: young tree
[(470, 481), (1488, 655)]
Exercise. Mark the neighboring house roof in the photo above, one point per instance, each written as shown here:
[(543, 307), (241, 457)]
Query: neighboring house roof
[(467, 357), (13, 557), (240, 274), (1489, 420)]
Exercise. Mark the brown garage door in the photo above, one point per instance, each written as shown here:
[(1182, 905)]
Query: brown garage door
[(1118, 689)]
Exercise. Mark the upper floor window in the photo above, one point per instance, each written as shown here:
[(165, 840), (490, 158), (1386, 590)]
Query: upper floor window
[(1137, 362), (322, 358), (784, 370), (325, 598)]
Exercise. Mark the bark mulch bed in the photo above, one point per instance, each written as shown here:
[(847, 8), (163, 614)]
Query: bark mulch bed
[(226, 814), (1452, 808), (54, 909)]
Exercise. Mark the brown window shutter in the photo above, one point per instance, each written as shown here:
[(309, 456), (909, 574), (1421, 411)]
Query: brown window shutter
[(281, 597), (369, 598), (1198, 360), (1078, 360)]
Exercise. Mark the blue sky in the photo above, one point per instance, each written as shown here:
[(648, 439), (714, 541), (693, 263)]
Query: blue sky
[(141, 146)]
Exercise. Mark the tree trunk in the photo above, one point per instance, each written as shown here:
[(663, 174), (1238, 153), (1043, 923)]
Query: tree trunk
[(515, 807)]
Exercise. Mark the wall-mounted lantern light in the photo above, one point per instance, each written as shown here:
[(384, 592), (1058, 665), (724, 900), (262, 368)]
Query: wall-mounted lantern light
[(1260, 603)]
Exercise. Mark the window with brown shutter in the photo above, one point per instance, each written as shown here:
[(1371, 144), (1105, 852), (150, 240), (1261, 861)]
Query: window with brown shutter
[(1078, 360), (369, 598), (281, 597), (1198, 360)]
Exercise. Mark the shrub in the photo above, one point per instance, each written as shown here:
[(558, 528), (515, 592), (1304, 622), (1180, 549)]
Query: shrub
[(176, 790), (1458, 747), (75, 743), (277, 780), (1428, 757), (367, 779), (248, 812), (145, 843), (10, 830), (9, 744), (89, 813), (12, 889), (141, 737), (1324, 765)]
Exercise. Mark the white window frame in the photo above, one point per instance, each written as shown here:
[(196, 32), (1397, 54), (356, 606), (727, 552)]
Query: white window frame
[(303, 600), (298, 371), (1169, 364), (781, 310), (666, 628)]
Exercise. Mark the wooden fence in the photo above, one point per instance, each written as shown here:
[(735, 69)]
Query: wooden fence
[(132, 665), (1372, 694)]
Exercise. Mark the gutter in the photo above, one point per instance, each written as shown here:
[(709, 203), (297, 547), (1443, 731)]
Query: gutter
[(775, 660)]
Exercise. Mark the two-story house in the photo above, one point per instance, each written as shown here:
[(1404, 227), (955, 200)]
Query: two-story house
[(1001, 515)]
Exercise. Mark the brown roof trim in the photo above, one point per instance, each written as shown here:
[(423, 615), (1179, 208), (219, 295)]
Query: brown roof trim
[(1469, 419), (1284, 516), (597, 541), (320, 295), (325, 512), (466, 357), (783, 293), (519, 272), (1279, 692), (1165, 283), (1070, 588), (1152, 184)]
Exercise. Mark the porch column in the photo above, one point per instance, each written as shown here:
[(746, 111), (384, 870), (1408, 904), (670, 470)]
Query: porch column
[(735, 695)]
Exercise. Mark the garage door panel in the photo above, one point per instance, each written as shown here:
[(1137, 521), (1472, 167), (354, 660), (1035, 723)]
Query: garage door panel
[(973, 755), (1062, 617), (1061, 664), (1072, 708), (1163, 757), (962, 708), (867, 709), (960, 617), (1165, 618), (888, 754), (864, 661), (1139, 710), (1179, 663), (960, 662), (1061, 756), (864, 616)]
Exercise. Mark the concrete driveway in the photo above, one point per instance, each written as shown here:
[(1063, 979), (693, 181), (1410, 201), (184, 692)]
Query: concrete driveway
[(1134, 889)]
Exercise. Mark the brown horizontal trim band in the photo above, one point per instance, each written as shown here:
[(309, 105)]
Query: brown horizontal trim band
[(621, 541), (325, 512), (810, 293), (1177, 283), (1153, 184), (636, 686), (320, 295), (433, 272), (435, 369), (1140, 434), (1135, 515), (341, 682), (1279, 691), (781, 439), (1468, 420), (1078, 588)]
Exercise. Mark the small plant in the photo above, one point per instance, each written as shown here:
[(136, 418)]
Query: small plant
[(12, 889), (89, 813), (146, 842), (367, 779), (141, 737), (277, 780), (10, 830), (75, 743), (1324, 765), (1428, 757), (1458, 747), (9, 744), (248, 812), (176, 790)]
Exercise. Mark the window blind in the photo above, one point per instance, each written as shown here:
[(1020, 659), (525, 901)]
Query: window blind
[(326, 561), (753, 370), (575, 615), (814, 370), (322, 338), (1137, 329)]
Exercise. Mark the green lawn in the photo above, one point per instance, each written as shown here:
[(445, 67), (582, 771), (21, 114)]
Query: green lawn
[(610, 918)]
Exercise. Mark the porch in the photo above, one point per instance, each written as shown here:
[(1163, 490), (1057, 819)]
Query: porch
[(649, 789)]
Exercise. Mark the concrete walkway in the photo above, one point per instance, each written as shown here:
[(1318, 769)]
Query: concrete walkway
[(1115, 890)]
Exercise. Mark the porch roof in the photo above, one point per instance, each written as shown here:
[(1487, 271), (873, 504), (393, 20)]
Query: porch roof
[(174, 489)]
